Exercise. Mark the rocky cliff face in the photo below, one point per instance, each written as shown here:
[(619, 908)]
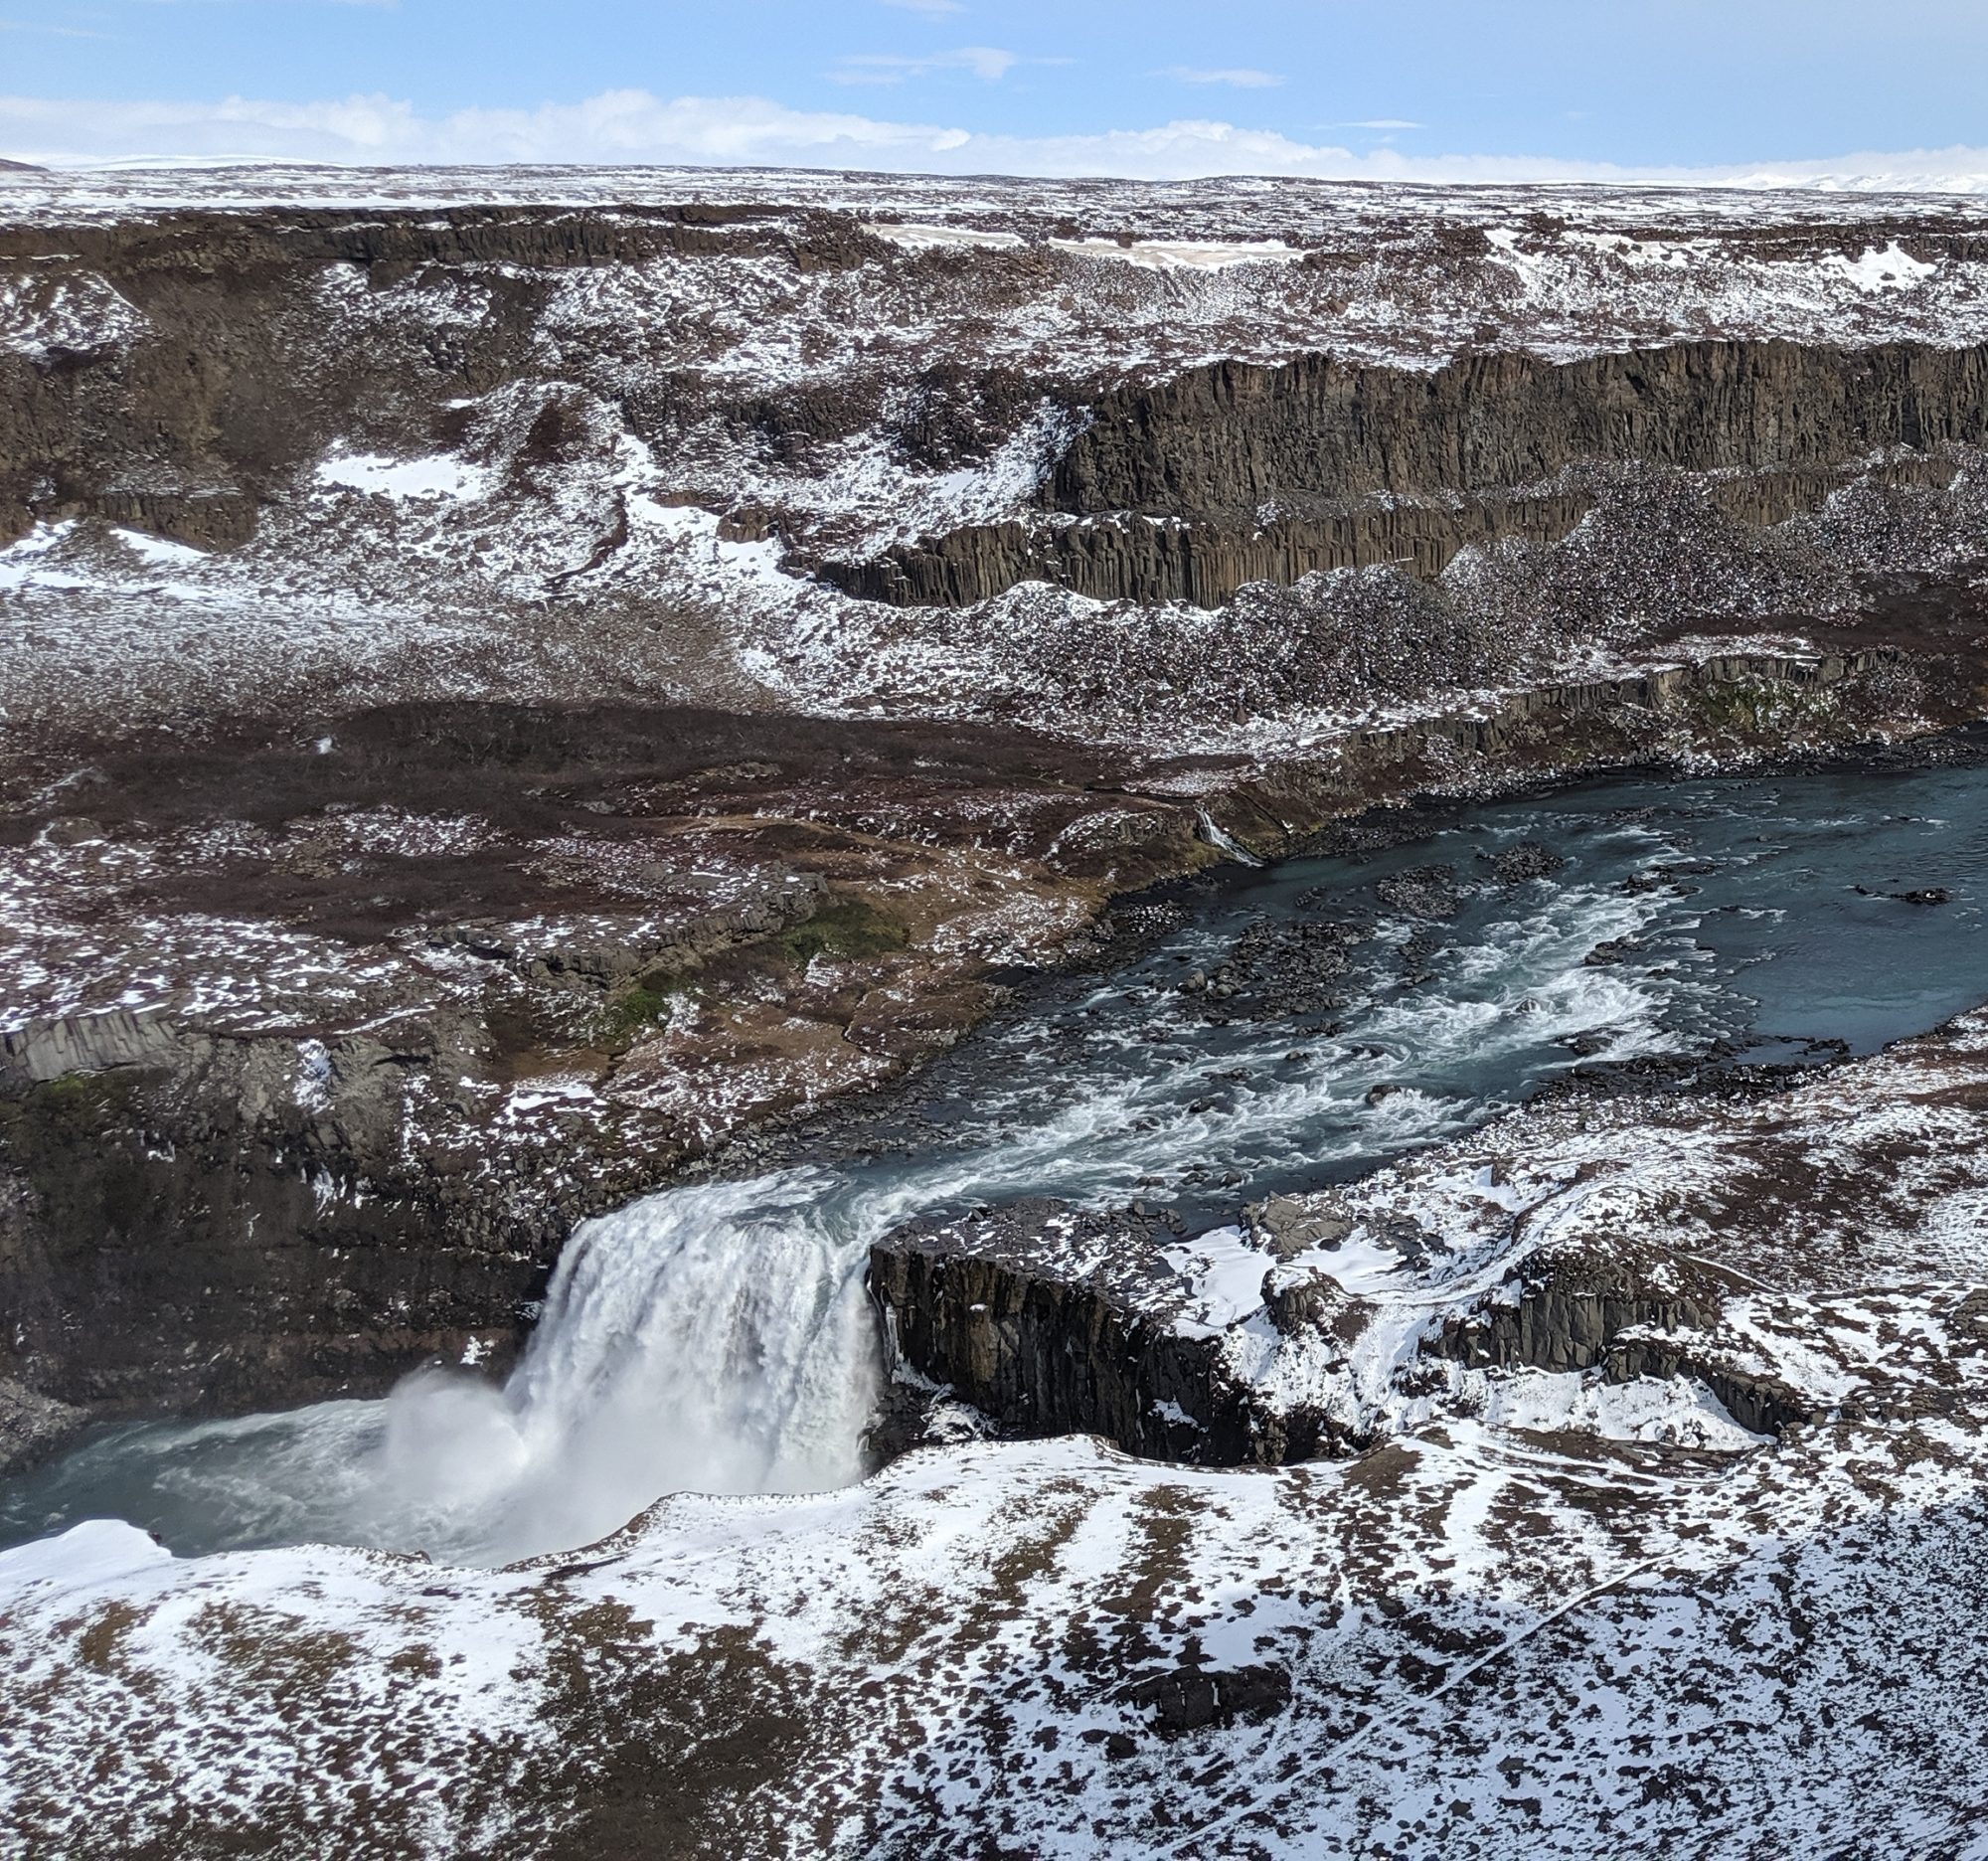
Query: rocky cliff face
[(1681, 1250), (1237, 436), (990, 1308), (1191, 489)]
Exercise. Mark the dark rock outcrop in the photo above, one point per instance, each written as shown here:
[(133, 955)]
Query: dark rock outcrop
[(1190, 1697), (1051, 1319), (32, 1425), (1189, 489), (1614, 1313), (1140, 558), (171, 1240), (1055, 1320), (1233, 436), (999, 1306), (1527, 860), (84, 1043)]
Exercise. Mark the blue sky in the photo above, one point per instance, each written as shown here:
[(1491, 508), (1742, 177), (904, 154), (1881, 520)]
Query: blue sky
[(1354, 84)]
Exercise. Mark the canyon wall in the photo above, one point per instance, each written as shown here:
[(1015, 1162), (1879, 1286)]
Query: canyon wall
[(1189, 489), (767, 458)]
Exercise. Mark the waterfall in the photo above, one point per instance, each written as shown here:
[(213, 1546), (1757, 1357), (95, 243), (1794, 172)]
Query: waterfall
[(714, 1339), (1222, 841)]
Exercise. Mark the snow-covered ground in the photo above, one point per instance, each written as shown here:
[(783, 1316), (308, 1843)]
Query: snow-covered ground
[(1258, 206)]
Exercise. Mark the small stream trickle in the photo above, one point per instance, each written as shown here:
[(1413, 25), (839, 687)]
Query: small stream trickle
[(716, 1337)]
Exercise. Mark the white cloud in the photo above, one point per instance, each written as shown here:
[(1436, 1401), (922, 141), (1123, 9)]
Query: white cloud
[(53, 31), (1380, 123), (1237, 76), (889, 67), (615, 127), (635, 126)]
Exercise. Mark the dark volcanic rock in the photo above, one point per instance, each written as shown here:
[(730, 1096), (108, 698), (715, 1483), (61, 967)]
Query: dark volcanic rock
[(1421, 892), (1670, 875), (47, 1050), (1379, 465), (1289, 1225), (1233, 433), (1527, 860), (31, 1425), (1277, 971), (1588, 1311), (1417, 956), (1587, 1043), (1055, 1320), (1190, 1698), (1299, 1301)]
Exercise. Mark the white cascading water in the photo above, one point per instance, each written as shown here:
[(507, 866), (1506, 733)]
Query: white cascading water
[(714, 1339)]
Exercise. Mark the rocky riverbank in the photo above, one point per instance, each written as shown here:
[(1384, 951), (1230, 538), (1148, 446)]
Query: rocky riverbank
[(1740, 1256)]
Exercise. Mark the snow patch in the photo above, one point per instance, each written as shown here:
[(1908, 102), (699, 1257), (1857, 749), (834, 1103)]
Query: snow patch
[(1182, 254), (25, 560), (917, 236), (159, 552), (1892, 270), (98, 1552), (440, 475)]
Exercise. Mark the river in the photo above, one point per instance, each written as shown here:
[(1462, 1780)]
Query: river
[(1286, 1027)]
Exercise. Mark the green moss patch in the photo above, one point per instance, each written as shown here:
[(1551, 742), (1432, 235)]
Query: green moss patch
[(845, 927), (644, 1006)]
